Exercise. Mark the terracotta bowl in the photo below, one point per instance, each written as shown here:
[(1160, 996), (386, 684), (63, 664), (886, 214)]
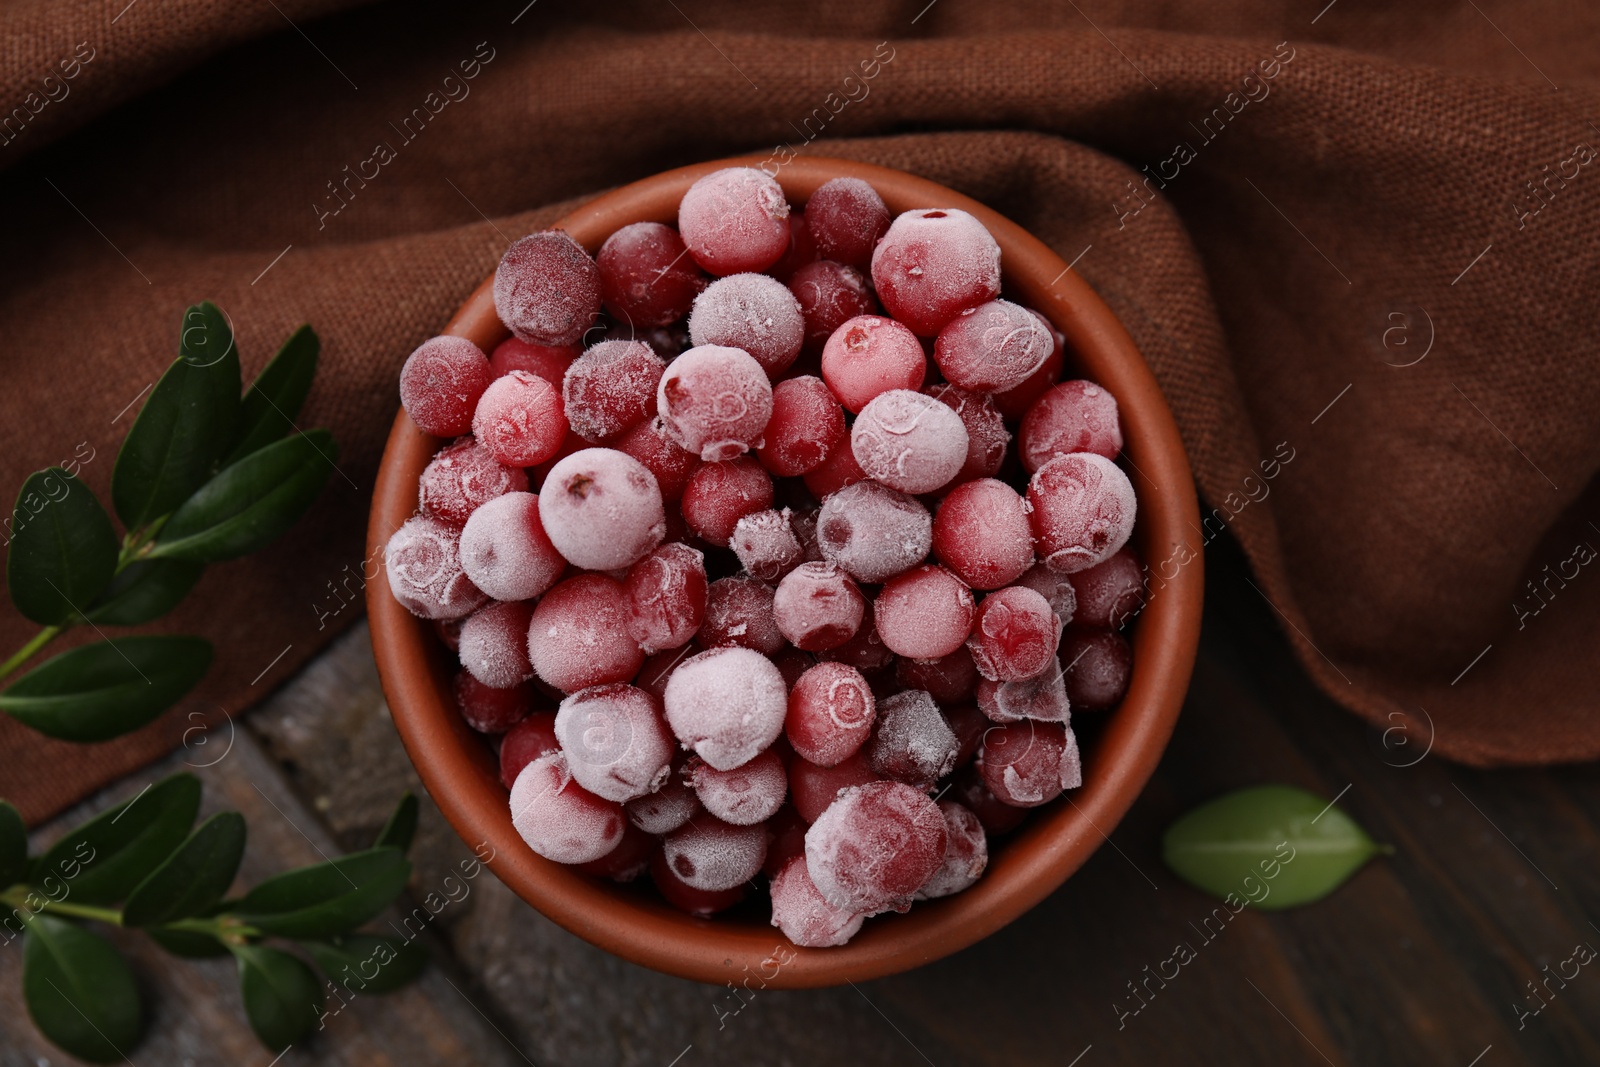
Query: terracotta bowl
[(1120, 751)]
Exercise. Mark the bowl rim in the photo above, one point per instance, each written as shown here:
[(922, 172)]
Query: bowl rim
[(462, 776)]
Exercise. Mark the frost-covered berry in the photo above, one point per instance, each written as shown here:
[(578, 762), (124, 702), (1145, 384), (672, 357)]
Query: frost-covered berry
[(1055, 588), (715, 402), (1014, 403), (616, 744), (504, 549), (668, 808), (1015, 635), (712, 855), (766, 544), (987, 435), (423, 563), (441, 382), (981, 533), (739, 612), (519, 419), (932, 265), (549, 362), (873, 532), (806, 424), (578, 636), (558, 818), (686, 898), (806, 919), (847, 217), (718, 495), (925, 613), (494, 644), (1083, 511), (628, 860), (813, 789), (996, 815), (1098, 665), (648, 443), (735, 220), (836, 471), (911, 741), (611, 388), (1075, 416), (602, 509), (1026, 764), (868, 355), (666, 597), (875, 847), (646, 279), (745, 796), (525, 742), (753, 313), (726, 705), (830, 714), (1109, 593), (830, 295), (865, 651), (909, 441), (817, 607), (1042, 698), (992, 347), (461, 478), (965, 855), (547, 288), (489, 710)]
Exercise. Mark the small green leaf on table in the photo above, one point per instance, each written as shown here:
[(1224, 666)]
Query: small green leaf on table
[(402, 825), (282, 997), (79, 991), (107, 689), (326, 899), (104, 859), (368, 963), (193, 878), (144, 591), (64, 550)]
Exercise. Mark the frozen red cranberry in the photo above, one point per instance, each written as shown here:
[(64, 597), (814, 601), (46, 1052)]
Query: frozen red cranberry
[(830, 714), (647, 277), (627, 861), (1014, 403), (666, 597), (873, 532), (747, 795), (549, 362), (934, 264), (423, 564), (806, 919), (1015, 634), (868, 355), (652, 677), (806, 424), (818, 607), (718, 495), (1055, 588), (792, 663), (751, 312), (835, 472), (739, 613), (666, 809), (1075, 416), (519, 419), (830, 295), (710, 854), (448, 631), (996, 815), (504, 549), (911, 741), (537, 475), (1098, 665), (558, 818), (949, 679), (1042, 697), (461, 478), (726, 705), (735, 220), (766, 544), (601, 509), (1110, 593), (965, 855), (909, 441), (866, 651), (992, 347), (494, 644), (715, 402), (685, 897), (1083, 511), (981, 532), (968, 724), (801, 249), (578, 636), (1024, 764), (524, 742), (924, 613), (489, 710), (875, 847), (671, 465), (441, 382), (611, 388), (847, 217), (813, 788), (786, 840), (547, 288), (987, 435), (617, 745)]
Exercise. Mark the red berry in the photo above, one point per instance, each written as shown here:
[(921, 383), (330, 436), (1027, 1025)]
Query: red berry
[(525, 742), (987, 436), (547, 288), (830, 294), (753, 313), (646, 276), (909, 441), (611, 388), (873, 532), (712, 855), (558, 818), (666, 809), (1026, 764), (911, 741), (766, 544), (489, 710), (718, 495), (441, 382), (965, 856), (578, 636), (835, 472), (1083, 511), (800, 251), (739, 613), (505, 551), (950, 679), (969, 725), (813, 789), (981, 532), (830, 714), (1042, 698), (996, 815), (461, 478), (925, 613), (1110, 593), (992, 347), (666, 597), (806, 424), (934, 264), (735, 220), (745, 796), (715, 402), (875, 847), (1098, 665), (685, 897), (627, 861), (847, 217), (601, 509), (818, 607), (726, 705), (423, 564), (671, 465), (799, 910), (1015, 634), (546, 361), (519, 420), (1014, 403), (868, 355), (494, 644), (865, 651), (1075, 416), (615, 741), (1055, 588)]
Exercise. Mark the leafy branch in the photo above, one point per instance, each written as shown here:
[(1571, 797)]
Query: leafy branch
[(203, 475), (145, 865)]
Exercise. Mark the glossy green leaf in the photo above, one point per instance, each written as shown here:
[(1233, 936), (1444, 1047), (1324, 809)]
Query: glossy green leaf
[(105, 858), (193, 878), (188, 944), (190, 420), (249, 504), (326, 899), (401, 828), (104, 690), (274, 399), (63, 549), (145, 590), (79, 991), (13, 846), (368, 964), (282, 997), (1271, 846)]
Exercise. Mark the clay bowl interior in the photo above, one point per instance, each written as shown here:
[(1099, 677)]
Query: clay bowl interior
[(1120, 749)]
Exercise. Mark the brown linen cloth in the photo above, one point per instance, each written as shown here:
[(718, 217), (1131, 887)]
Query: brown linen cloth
[(1336, 262)]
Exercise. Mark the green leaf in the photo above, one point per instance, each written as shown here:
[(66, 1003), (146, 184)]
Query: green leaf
[(107, 856), (282, 996), (79, 990), (188, 944), (193, 878), (369, 964), (1273, 846), (145, 590), (104, 690), (274, 399), (13, 846), (327, 898), (250, 503), (401, 827), (64, 550), (190, 420)]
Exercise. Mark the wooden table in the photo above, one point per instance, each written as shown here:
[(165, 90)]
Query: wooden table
[(1423, 958)]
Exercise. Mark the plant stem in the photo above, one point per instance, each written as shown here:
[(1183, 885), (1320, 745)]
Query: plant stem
[(40, 639), (223, 927), (17, 897)]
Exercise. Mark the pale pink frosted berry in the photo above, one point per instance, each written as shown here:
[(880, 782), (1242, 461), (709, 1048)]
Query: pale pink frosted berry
[(847, 217), (751, 312), (806, 919), (1083, 511), (715, 402), (461, 477), (766, 544), (966, 854), (830, 714), (710, 854), (1075, 416), (700, 903), (1026, 764), (519, 419), (666, 597), (494, 644), (932, 265), (911, 741), (992, 347), (818, 607), (602, 509), (423, 562), (739, 613), (441, 382), (1015, 635), (1055, 588), (558, 818), (578, 636), (987, 435), (1109, 593), (615, 741), (489, 710), (925, 613), (1014, 403), (806, 424), (747, 795), (735, 220), (505, 551), (668, 808), (875, 847), (868, 355), (1042, 697), (726, 705), (873, 532), (611, 388), (909, 441), (981, 533), (547, 288)]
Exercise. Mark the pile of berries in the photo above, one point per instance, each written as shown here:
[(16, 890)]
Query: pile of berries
[(758, 530)]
